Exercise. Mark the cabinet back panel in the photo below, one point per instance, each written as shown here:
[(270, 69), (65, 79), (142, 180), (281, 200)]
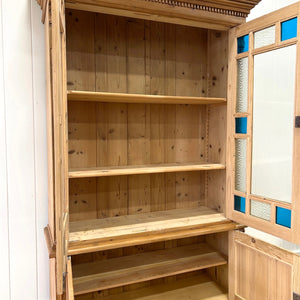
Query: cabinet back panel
[(103, 197), (113, 134), (116, 54)]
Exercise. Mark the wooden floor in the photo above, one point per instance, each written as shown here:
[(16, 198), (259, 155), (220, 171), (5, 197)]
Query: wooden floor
[(198, 287), (143, 169), (110, 233), (116, 272), (139, 98)]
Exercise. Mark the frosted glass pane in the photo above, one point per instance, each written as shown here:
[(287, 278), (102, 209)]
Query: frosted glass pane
[(264, 37), (273, 114), (261, 210), (242, 85), (240, 164)]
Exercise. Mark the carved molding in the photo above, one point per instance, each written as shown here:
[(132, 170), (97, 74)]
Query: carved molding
[(226, 7)]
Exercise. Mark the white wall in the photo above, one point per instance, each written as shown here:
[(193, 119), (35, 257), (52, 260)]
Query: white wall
[(23, 149), (23, 153), (267, 6)]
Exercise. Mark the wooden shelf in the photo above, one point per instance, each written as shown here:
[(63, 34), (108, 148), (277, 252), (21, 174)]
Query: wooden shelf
[(116, 272), (116, 232), (143, 169), (198, 287), (140, 98)]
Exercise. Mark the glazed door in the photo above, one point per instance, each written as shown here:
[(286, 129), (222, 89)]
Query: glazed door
[(57, 139), (263, 157)]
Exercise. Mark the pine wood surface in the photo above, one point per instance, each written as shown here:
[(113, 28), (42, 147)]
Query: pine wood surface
[(143, 169), (142, 267), (109, 233), (194, 288), (210, 17), (138, 98)]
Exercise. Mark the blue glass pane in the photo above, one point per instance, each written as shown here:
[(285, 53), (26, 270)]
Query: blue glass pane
[(241, 125), (289, 29), (283, 217), (240, 204), (243, 43)]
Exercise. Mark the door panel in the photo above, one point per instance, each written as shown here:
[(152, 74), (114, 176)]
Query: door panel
[(259, 270), (69, 281), (59, 124), (263, 144)]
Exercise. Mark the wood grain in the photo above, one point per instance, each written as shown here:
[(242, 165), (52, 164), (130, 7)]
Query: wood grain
[(162, 13), (88, 96), (198, 287), (142, 267), (143, 169)]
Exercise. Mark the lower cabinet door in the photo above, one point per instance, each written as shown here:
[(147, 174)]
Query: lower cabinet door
[(259, 270), (69, 281)]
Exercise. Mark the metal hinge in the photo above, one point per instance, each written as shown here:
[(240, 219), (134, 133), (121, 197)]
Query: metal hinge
[(64, 280), (296, 296), (297, 122)]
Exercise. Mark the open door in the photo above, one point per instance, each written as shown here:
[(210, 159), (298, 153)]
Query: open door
[(57, 141), (263, 155)]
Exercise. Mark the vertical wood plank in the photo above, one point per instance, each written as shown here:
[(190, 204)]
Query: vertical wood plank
[(111, 118), (80, 50), (82, 134), (296, 155), (69, 281), (191, 61), (101, 52), (138, 117), (20, 147), (157, 113), (216, 117), (231, 96), (52, 278), (83, 199), (170, 116)]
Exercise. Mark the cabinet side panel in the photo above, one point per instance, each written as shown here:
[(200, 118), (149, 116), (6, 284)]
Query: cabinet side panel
[(217, 117)]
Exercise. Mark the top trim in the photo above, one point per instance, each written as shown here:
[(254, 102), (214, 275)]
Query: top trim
[(229, 7)]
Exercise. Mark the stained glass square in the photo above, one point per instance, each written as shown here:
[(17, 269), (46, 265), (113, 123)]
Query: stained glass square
[(241, 125), (289, 29), (239, 204), (243, 43), (283, 216)]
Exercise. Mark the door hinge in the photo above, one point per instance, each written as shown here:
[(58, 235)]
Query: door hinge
[(297, 122), (296, 296), (64, 280)]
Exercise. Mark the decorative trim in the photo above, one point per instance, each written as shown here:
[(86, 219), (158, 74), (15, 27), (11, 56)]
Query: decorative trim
[(206, 7)]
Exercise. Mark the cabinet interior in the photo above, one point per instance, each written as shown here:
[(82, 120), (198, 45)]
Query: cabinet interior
[(116, 54)]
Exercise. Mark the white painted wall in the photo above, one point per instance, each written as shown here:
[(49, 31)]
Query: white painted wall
[(267, 6), (23, 149), (23, 153)]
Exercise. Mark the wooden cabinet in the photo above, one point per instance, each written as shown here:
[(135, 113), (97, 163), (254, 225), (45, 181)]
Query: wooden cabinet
[(143, 151)]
